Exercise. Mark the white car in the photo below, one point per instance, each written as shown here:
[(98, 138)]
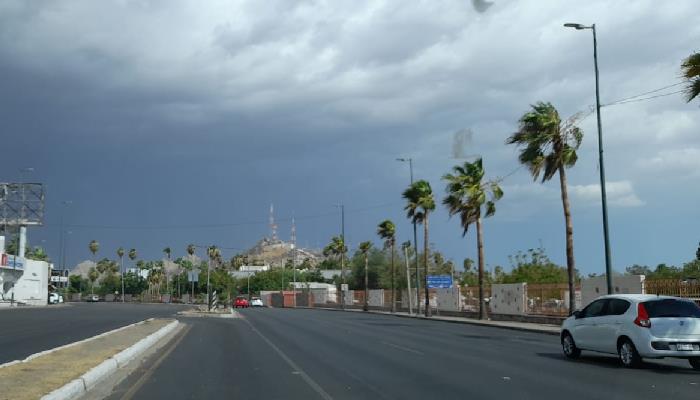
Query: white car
[(55, 298), (635, 327), (256, 302)]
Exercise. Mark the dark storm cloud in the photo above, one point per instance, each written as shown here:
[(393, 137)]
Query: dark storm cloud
[(177, 112)]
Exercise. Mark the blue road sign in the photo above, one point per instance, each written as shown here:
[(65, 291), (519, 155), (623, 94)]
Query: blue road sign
[(439, 281), (193, 276)]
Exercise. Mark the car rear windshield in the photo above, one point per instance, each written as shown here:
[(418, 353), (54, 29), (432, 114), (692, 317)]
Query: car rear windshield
[(671, 308)]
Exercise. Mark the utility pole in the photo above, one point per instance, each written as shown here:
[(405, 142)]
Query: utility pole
[(601, 164), (408, 278), (342, 254), (61, 241), (415, 240), (294, 268)]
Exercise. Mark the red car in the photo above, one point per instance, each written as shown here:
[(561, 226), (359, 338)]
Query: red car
[(241, 302)]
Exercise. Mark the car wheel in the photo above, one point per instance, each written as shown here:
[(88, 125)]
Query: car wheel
[(695, 363), (569, 346), (629, 357)]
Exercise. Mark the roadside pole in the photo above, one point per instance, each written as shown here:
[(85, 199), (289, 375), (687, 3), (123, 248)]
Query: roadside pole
[(121, 271), (408, 282)]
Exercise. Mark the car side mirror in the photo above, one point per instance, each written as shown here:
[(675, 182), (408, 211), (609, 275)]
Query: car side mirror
[(577, 314)]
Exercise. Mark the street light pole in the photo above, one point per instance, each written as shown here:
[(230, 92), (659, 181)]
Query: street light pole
[(603, 193), (61, 239), (415, 239), (342, 254)]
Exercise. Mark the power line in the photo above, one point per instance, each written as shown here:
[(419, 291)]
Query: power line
[(642, 94), (645, 98), (222, 225)]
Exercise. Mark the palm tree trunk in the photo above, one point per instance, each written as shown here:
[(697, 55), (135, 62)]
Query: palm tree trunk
[(570, 263), (425, 265), (366, 306), (483, 314), (393, 279)]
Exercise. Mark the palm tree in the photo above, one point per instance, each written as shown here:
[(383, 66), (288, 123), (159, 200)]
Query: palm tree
[(191, 249), (548, 147), (120, 254), (691, 72), (92, 276), (167, 253), (387, 231), (94, 247), (466, 195), (337, 249), (421, 203), (364, 249)]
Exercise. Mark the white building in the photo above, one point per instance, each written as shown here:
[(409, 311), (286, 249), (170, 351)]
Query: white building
[(23, 281)]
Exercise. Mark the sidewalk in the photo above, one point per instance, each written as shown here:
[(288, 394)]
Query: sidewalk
[(518, 326)]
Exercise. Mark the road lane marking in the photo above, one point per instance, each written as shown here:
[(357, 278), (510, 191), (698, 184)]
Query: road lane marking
[(403, 348), (147, 375), (315, 386)]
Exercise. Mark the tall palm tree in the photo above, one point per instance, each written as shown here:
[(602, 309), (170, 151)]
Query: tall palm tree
[(191, 249), (120, 254), (387, 231), (92, 276), (364, 249), (337, 249), (167, 253), (691, 72), (548, 146), (421, 203), (467, 195), (94, 247)]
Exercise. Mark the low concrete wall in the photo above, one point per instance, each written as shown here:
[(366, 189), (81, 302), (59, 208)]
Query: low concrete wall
[(592, 288), (509, 298), (448, 299), (376, 298)]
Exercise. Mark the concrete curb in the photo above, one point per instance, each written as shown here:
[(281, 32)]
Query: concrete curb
[(65, 346), (454, 321), (89, 379)]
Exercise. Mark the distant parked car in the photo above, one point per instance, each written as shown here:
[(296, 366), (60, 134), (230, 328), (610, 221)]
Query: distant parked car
[(635, 327), (55, 298), (93, 298), (241, 302), (256, 302)]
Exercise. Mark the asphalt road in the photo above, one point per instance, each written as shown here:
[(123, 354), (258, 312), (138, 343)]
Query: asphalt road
[(314, 354), (25, 331)]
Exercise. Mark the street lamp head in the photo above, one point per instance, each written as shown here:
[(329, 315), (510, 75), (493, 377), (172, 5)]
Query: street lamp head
[(401, 159), (575, 26)]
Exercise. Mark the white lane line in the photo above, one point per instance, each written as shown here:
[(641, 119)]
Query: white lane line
[(315, 386), (403, 348)]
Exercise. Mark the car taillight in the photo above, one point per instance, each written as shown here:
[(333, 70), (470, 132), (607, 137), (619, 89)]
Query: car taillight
[(642, 317)]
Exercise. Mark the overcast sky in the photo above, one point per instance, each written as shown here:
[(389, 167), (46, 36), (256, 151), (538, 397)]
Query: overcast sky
[(175, 122)]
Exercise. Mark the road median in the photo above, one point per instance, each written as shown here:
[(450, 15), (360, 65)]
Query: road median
[(69, 371)]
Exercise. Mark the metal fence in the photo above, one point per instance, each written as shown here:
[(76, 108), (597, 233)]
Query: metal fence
[(548, 298), (689, 288)]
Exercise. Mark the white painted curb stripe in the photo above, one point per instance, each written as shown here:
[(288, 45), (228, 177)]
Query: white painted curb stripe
[(89, 379)]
